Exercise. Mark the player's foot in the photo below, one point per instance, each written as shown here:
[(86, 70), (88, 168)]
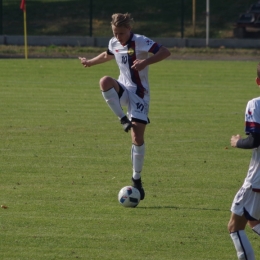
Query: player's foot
[(138, 185), (126, 123)]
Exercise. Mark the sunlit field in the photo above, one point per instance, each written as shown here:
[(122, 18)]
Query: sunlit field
[(64, 157)]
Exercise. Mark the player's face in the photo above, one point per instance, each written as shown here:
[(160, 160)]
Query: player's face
[(122, 34)]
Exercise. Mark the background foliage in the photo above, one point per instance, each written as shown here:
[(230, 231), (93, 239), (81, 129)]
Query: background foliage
[(157, 18)]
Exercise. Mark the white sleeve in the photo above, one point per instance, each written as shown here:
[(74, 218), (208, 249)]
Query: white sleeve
[(145, 43)]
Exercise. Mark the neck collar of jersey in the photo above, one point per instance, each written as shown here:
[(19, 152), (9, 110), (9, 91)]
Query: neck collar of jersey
[(130, 38)]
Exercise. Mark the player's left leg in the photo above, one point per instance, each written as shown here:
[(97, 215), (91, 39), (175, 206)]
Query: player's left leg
[(137, 155), (242, 245), (138, 109)]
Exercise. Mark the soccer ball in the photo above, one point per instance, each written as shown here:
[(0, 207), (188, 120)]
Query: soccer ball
[(129, 196)]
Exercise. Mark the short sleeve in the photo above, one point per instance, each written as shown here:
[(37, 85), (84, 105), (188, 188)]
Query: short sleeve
[(252, 116), (148, 45)]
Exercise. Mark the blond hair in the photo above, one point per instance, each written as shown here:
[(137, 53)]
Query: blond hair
[(122, 20)]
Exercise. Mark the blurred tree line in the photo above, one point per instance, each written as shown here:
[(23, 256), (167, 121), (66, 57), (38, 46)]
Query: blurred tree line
[(156, 18)]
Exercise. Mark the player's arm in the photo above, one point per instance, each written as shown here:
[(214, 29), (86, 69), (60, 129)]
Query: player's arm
[(160, 55), (101, 58), (250, 142)]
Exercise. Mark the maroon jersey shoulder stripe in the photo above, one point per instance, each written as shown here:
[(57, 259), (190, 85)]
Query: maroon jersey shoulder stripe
[(155, 48)]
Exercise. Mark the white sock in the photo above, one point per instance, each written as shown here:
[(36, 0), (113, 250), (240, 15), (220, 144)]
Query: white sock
[(137, 156), (242, 245), (113, 102), (256, 229)]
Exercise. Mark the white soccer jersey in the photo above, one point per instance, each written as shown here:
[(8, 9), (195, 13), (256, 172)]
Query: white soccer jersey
[(252, 125), (137, 47)]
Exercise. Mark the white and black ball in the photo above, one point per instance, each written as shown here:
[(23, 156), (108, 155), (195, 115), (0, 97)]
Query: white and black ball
[(129, 196)]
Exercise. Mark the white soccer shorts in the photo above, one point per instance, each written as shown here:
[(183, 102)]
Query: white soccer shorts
[(137, 107), (248, 199)]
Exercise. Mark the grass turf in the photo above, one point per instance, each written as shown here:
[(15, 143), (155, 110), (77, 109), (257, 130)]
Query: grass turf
[(52, 51), (64, 157)]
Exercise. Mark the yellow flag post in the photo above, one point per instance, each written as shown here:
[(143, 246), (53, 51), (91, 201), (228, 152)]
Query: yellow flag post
[(23, 7)]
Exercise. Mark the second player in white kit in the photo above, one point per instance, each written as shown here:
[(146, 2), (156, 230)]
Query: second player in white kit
[(246, 204)]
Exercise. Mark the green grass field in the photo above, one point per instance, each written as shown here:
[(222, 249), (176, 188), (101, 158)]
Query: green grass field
[(64, 157)]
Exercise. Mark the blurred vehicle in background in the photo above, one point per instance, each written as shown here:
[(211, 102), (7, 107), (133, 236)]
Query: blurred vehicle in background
[(248, 24)]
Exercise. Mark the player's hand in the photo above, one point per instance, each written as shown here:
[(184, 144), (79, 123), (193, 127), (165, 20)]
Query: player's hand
[(138, 65), (84, 62), (234, 139)]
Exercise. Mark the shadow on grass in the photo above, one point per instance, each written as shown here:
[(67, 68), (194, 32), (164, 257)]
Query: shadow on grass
[(180, 208)]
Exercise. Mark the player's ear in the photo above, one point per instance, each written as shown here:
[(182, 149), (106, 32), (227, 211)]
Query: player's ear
[(257, 80)]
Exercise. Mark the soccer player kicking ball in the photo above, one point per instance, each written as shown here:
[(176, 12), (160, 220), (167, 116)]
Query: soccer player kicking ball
[(131, 89), (246, 204)]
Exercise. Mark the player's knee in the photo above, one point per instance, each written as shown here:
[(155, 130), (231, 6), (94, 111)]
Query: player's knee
[(136, 140), (231, 226), (105, 83), (102, 82)]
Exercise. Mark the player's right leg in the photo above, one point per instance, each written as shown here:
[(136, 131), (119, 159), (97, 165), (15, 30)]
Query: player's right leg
[(111, 92)]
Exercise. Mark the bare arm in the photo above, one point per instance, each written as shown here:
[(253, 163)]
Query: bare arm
[(101, 58), (162, 54)]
